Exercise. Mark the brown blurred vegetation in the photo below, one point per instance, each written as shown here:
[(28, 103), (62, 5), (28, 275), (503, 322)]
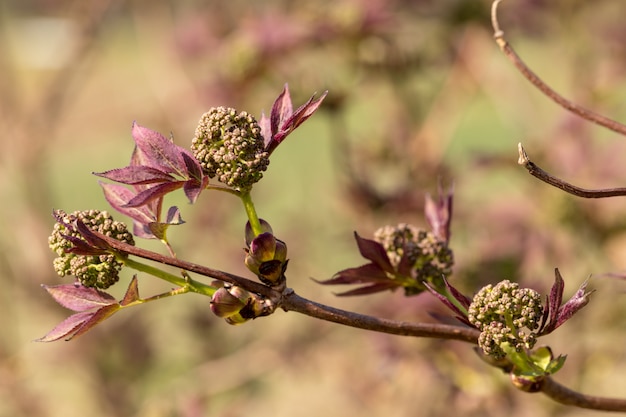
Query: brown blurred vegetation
[(418, 92)]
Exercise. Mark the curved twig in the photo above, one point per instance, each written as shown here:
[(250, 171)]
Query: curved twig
[(537, 172), (288, 300), (566, 396), (542, 86), (293, 302)]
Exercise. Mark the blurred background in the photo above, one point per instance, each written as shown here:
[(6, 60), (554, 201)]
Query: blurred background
[(418, 93)]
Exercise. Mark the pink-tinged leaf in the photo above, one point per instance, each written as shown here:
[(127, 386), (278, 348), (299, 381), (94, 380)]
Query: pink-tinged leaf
[(92, 239), (152, 193), (370, 289), (132, 293), (463, 300), (266, 129), (135, 174), (193, 188), (97, 317), (439, 213), (81, 247), (158, 151), (143, 231), (296, 119), (193, 168), (364, 274), (281, 110), (67, 328), (173, 217), (573, 305), (374, 251), (118, 197), (79, 298), (551, 309)]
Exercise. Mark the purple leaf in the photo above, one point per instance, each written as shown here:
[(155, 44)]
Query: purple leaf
[(158, 151), (98, 316), (573, 305), (173, 216), (67, 327), (79, 298), (281, 110), (282, 125), (136, 174), (92, 239), (370, 289), (364, 274), (118, 197), (193, 188), (132, 293), (152, 193), (439, 213), (553, 304), (375, 252)]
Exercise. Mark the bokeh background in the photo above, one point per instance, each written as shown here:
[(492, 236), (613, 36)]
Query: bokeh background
[(418, 93)]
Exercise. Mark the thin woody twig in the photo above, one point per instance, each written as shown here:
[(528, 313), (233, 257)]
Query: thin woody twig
[(566, 396), (288, 300), (539, 173), (583, 112)]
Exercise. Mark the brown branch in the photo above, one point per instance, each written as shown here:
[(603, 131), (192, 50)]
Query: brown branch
[(566, 396), (288, 300), (539, 173), (542, 86), (293, 302)]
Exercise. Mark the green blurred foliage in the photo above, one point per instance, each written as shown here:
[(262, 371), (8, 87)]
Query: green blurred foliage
[(418, 92)]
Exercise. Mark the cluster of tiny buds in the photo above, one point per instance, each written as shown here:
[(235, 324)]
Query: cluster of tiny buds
[(100, 271), (430, 256), (506, 313), (229, 145)]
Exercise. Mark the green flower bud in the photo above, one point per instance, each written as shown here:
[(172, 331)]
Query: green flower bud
[(100, 270), (237, 306), (267, 258), (505, 313), (430, 257), (229, 146)]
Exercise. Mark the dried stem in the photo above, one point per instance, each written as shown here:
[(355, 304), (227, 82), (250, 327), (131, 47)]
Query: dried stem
[(542, 86), (537, 172)]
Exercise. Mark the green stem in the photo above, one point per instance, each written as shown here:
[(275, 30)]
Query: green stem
[(192, 285), (253, 218)]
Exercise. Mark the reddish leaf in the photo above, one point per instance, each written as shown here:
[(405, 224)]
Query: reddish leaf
[(281, 110), (158, 151), (79, 298), (132, 292), (573, 305), (439, 213), (96, 317), (67, 328), (136, 174), (118, 197), (375, 252), (153, 193), (370, 289), (364, 274)]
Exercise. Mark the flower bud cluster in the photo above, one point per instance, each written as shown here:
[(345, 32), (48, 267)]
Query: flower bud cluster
[(506, 313), (229, 146), (429, 256), (97, 270)]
